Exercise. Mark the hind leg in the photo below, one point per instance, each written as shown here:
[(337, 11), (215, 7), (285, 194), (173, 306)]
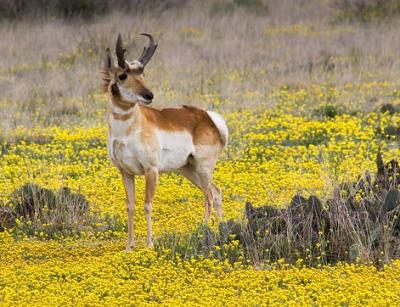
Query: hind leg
[(201, 177), (203, 182), (217, 199)]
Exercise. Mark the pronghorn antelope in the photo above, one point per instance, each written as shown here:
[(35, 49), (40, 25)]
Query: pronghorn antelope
[(148, 141)]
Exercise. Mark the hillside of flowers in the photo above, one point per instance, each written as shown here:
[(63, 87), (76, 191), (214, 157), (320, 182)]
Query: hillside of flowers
[(302, 144)]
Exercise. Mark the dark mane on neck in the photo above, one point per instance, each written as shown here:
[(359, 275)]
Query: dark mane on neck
[(117, 101)]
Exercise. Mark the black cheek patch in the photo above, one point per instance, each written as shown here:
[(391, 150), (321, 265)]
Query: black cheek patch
[(123, 76), (114, 90)]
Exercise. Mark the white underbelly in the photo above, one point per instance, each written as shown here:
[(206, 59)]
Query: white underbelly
[(171, 160), (175, 148), (168, 151)]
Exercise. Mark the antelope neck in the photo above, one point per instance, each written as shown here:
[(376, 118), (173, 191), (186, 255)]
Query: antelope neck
[(120, 104), (120, 110)]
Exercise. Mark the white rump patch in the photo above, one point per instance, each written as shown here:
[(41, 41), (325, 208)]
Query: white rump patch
[(221, 125)]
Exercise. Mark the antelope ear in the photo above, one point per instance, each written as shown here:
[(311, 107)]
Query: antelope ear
[(108, 61)]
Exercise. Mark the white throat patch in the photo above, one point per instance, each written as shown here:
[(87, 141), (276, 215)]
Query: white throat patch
[(129, 95)]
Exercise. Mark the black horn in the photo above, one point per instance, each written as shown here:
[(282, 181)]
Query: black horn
[(147, 51), (120, 52)]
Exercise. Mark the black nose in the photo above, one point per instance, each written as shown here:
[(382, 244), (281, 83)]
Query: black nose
[(148, 95)]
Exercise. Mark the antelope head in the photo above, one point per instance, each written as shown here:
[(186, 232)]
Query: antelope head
[(126, 80)]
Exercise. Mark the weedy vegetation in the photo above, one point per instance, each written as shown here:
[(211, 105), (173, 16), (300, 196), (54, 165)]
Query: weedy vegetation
[(360, 223)]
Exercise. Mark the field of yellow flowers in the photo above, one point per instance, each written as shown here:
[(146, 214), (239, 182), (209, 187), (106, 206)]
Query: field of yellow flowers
[(300, 144)]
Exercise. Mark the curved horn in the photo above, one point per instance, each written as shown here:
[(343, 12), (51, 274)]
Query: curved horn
[(120, 52), (147, 51)]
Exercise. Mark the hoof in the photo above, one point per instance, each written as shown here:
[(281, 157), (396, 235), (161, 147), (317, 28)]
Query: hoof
[(129, 247)]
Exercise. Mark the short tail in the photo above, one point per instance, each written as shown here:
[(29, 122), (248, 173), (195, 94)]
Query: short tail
[(221, 126)]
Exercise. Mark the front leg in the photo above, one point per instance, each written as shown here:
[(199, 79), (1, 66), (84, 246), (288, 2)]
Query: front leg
[(151, 177), (129, 183)]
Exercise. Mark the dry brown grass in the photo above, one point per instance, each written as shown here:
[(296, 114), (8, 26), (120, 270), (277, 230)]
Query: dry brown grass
[(47, 64)]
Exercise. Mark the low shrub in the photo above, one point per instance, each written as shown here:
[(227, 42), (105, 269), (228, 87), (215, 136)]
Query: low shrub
[(361, 222), (34, 209), (366, 10), (79, 8), (388, 107), (327, 111)]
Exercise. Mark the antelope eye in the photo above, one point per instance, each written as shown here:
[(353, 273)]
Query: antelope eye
[(123, 76)]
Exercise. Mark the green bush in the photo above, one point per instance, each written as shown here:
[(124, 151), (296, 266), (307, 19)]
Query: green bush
[(18, 9), (225, 7), (366, 10), (328, 111)]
